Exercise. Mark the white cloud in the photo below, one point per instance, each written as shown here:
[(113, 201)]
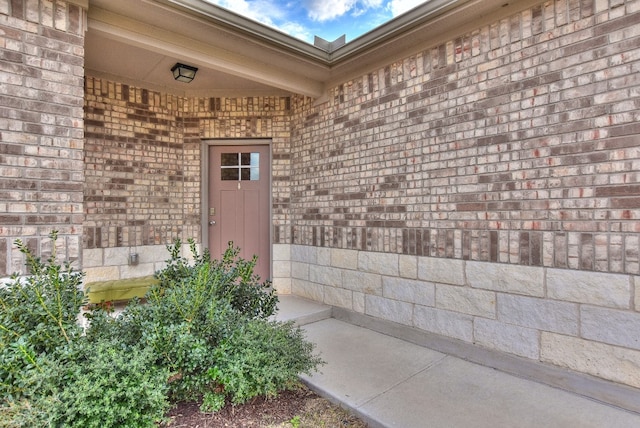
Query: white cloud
[(398, 7), (326, 10)]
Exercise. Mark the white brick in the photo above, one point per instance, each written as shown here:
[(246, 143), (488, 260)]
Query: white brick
[(363, 282), (598, 359), (325, 275), (281, 269), (466, 300), (142, 269), (392, 310), (308, 290), (300, 270), (347, 259), (507, 278), (281, 252), (102, 273), (408, 266), (507, 338), (92, 258), (282, 285), (595, 288), (323, 256), (445, 323), (611, 326), (338, 297), (406, 290), (304, 253), (381, 263), (116, 256), (541, 314), (444, 271), (636, 280), (359, 302), (152, 253)]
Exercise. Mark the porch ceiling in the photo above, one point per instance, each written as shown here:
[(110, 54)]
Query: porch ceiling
[(137, 42)]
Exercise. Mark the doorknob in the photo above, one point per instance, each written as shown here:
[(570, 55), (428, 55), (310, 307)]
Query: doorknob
[(212, 222)]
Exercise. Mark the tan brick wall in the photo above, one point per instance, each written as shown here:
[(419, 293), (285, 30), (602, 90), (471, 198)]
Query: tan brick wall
[(514, 143), (143, 160), (41, 129)]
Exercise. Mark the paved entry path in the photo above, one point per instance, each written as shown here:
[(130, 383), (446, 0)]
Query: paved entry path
[(389, 382)]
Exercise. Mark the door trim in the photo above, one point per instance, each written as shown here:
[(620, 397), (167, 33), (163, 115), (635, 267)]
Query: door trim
[(204, 185)]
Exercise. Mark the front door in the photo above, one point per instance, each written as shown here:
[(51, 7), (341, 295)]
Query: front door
[(239, 193)]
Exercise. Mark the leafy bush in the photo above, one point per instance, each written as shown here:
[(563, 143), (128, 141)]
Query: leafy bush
[(38, 317), (203, 333), (261, 358), (111, 386)]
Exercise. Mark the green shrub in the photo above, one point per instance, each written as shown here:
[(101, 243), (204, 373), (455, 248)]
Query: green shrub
[(38, 318), (261, 358), (111, 386), (201, 334)]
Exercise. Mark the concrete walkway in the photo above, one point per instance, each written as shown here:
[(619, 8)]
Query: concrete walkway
[(389, 382)]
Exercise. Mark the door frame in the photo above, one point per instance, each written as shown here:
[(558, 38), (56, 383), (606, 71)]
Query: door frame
[(208, 144)]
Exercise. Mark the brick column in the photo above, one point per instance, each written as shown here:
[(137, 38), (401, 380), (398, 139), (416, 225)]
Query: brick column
[(41, 128)]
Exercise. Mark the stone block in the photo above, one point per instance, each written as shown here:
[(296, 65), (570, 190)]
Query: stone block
[(142, 269), (466, 300), (101, 273), (611, 326), (540, 314), (300, 270), (506, 278), (446, 323), (598, 359), (509, 338), (359, 301), (308, 290), (443, 271), (282, 285), (367, 283), (388, 309), (410, 291), (153, 253), (347, 259), (594, 288), (408, 266), (325, 275), (116, 256), (304, 253), (281, 252), (338, 297), (380, 263), (323, 256), (92, 258), (281, 269), (636, 280)]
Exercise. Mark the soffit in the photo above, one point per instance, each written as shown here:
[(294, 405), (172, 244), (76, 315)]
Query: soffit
[(139, 41)]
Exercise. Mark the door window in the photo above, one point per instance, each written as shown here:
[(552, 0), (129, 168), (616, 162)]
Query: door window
[(240, 166)]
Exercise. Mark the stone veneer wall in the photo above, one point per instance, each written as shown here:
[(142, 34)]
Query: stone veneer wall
[(486, 189), (143, 168), (41, 129)]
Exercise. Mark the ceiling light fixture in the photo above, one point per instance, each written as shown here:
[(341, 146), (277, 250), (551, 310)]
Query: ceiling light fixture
[(183, 73)]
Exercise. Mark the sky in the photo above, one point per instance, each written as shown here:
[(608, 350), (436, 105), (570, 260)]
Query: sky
[(328, 19)]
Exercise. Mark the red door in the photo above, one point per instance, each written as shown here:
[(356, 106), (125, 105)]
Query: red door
[(239, 193)]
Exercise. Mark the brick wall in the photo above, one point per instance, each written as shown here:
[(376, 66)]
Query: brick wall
[(514, 143), (41, 128), (486, 189), (143, 167)]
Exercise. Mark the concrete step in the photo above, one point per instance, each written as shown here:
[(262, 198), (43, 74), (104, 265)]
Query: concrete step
[(301, 311)]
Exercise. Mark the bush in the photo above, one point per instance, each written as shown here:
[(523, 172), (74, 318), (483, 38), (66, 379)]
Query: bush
[(111, 386), (202, 334)]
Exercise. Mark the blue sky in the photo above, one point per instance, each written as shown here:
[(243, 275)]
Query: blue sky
[(328, 19)]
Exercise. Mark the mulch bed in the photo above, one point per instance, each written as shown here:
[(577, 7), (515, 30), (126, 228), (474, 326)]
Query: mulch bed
[(302, 406)]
